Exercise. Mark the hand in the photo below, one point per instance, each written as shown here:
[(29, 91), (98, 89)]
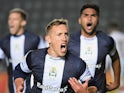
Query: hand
[(92, 89), (19, 89), (19, 82), (77, 86), (111, 86)]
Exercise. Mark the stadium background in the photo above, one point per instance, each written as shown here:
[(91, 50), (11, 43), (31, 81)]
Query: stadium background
[(42, 11)]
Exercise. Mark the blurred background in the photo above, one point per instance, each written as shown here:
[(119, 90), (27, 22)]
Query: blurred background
[(42, 11)]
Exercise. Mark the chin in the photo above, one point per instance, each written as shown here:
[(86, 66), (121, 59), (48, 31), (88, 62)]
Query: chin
[(12, 32), (62, 54), (91, 32)]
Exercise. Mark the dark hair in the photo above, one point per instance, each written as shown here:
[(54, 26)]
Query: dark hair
[(21, 11), (88, 5)]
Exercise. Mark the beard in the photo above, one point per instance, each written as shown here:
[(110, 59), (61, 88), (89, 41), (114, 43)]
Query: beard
[(91, 32)]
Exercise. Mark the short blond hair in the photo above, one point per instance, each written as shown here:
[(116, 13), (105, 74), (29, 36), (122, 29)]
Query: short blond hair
[(23, 13), (56, 22)]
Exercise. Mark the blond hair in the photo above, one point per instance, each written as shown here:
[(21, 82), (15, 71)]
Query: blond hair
[(21, 11), (56, 22)]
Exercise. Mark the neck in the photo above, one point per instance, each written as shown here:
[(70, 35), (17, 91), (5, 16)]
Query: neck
[(20, 32), (51, 52), (88, 35)]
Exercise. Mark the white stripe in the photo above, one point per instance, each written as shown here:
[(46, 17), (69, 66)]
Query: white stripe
[(85, 75), (2, 55), (27, 53), (24, 67), (113, 51)]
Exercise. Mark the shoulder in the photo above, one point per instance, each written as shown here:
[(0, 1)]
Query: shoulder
[(7, 37), (33, 37), (74, 38), (37, 52), (5, 40), (75, 34), (33, 57), (105, 38), (75, 59), (31, 34), (103, 35)]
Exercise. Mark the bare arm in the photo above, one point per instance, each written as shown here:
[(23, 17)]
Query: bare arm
[(19, 83), (116, 69)]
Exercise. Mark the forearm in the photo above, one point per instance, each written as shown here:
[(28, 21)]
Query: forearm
[(116, 69)]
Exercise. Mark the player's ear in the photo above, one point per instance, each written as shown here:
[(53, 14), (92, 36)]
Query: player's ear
[(47, 38), (24, 23), (79, 20)]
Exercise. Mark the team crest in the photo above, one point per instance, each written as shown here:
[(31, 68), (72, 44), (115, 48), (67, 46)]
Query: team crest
[(53, 72)]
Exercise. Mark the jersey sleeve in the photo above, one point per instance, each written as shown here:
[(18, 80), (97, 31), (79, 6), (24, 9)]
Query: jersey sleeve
[(113, 51), (86, 75), (22, 69), (2, 55)]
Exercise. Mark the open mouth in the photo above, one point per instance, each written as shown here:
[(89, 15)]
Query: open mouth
[(89, 26), (11, 26), (63, 47)]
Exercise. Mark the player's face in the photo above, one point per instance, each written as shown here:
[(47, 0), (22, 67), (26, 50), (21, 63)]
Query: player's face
[(88, 21), (15, 23), (58, 39)]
